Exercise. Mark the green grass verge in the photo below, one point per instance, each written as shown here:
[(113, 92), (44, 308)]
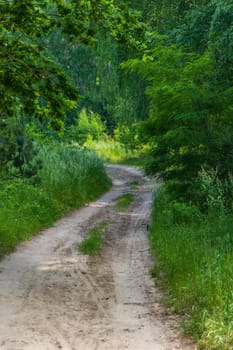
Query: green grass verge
[(124, 201), (69, 179), (195, 255), (92, 244)]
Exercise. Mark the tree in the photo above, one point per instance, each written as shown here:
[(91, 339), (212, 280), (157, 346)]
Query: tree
[(33, 84), (189, 125), (102, 85), (32, 81)]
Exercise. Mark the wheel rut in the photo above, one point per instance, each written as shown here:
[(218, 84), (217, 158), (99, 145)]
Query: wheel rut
[(54, 297)]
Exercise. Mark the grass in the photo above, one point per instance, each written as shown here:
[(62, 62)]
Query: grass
[(92, 244), (195, 254), (134, 185), (69, 178), (115, 152), (124, 202), (72, 175), (24, 209)]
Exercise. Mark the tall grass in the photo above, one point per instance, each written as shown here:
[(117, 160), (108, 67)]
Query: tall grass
[(24, 209), (195, 254), (113, 151), (72, 176), (69, 178)]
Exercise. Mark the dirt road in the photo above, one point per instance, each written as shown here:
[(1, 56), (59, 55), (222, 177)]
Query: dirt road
[(54, 297)]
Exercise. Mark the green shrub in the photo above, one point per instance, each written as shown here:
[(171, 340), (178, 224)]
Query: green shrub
[(89, 126), (18, 152), (215, 195)]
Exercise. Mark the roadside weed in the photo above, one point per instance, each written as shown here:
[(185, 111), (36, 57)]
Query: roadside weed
[(92, 244), (124, 202), (134, 185), (195, 254)]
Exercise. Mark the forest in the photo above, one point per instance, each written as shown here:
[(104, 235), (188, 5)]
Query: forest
[(139, 82)]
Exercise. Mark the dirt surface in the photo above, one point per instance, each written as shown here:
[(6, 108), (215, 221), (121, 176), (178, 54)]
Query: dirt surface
[(54, 297)]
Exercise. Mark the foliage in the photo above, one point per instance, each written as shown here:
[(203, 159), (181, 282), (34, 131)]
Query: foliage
[(78, 176), (113, 151), (193, 33), (69, 177), (24, 209), (96, 72), (18, 152), (89, 127), (221, 41), (35, 83), (174, 96), (215, 196), (128, 135), (42, 88), (195, 254), (187, 69), (189, 125)]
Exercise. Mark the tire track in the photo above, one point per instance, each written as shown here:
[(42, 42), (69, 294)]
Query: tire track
[(53, 297)]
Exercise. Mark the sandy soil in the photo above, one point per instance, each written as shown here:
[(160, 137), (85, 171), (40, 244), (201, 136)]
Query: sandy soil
[(53, 297)]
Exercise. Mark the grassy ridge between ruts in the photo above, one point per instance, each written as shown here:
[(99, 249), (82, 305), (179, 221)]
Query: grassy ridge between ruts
[(69, 178), (195, 255)]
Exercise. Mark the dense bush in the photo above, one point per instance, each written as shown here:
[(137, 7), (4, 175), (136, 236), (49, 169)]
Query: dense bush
[(89, 127), (18, 152)]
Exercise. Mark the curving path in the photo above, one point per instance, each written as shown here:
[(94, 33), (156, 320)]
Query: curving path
[(53, 297)]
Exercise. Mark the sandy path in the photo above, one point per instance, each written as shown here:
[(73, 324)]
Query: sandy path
[(53, 297)]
